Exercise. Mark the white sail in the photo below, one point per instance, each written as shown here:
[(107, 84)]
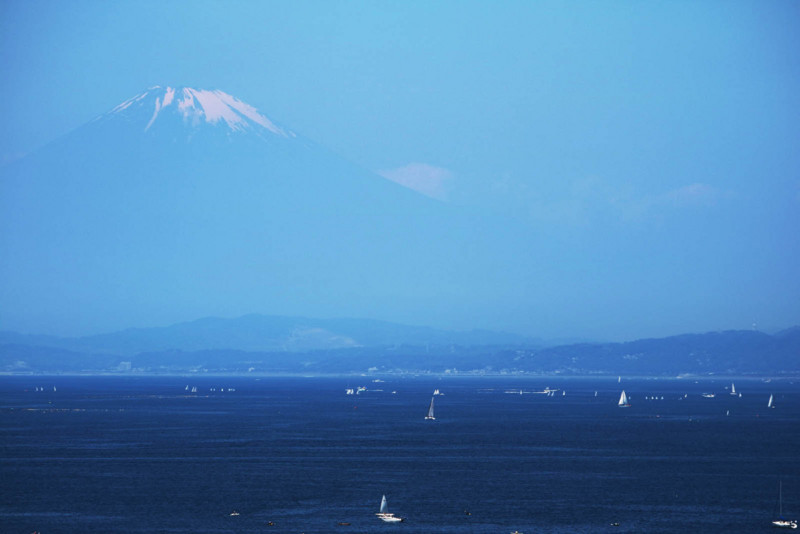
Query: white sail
[(384, 506), (733, 389), (430, 411), (623, 399), (769, 403)]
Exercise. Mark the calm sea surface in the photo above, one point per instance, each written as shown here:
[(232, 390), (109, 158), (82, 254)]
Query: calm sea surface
[(134, 455)]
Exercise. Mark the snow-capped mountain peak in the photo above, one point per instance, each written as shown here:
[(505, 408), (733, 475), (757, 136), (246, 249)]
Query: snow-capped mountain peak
[(195, 106)]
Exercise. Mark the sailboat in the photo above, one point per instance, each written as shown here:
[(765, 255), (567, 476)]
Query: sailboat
[(782, 523), (385, 515), (430, 411), (769, 402), (623, 401), (733, 389)]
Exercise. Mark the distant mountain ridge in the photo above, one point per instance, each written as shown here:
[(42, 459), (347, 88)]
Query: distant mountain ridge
[(269, 344), (265, 333)]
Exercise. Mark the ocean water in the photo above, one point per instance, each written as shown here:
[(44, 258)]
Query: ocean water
[(135, 455)]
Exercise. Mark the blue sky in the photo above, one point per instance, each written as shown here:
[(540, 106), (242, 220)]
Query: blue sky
[(651, 148)]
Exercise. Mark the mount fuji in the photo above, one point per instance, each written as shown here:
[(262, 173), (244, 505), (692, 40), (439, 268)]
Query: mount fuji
[(180, 203)]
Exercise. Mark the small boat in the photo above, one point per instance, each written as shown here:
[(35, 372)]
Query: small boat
[(769, 402), (708, 395), (349, 391), (437, 392), (733, 389), (623, 401), (385, 515), (782, 523), (430, 411), (234, 513)]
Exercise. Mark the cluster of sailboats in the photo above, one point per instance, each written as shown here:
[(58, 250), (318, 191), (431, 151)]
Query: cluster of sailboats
[(624, 401)]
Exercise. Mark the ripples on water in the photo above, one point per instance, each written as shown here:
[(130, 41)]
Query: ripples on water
[(124, 455)]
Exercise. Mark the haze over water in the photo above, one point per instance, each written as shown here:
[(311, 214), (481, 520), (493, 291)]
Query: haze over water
[(547, 170)]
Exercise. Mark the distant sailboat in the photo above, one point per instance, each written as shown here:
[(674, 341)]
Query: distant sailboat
[(769, 402), (733, 389), (782, 523), (619, 379), (436, 392), (430, 411), (623, 401), (385, 515)]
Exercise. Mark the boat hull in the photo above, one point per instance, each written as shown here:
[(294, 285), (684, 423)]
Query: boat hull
[(390, 518)]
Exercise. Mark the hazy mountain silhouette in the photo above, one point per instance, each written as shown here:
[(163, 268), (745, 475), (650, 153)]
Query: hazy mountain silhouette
[(181, 202), (300, 345), (261, 333)]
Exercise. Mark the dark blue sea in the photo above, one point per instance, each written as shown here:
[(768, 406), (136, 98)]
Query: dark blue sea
[(291, 455)]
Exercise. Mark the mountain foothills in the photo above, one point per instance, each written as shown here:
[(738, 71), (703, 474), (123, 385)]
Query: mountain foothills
[(269, 344)]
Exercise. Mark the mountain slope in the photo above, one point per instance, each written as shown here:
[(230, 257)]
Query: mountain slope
[(186, 202)]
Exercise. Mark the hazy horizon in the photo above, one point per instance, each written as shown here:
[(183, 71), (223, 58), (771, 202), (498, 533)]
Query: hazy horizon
[(629, 170)]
